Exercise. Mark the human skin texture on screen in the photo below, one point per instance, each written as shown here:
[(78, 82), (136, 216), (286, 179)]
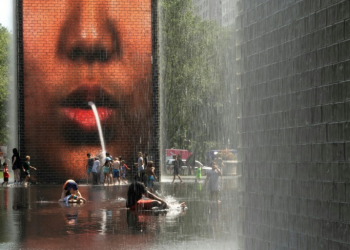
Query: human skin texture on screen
[(76, 51)]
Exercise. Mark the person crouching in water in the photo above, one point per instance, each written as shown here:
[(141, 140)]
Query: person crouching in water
[(70, 192), (26, 166), (134, 200), (151, 176)]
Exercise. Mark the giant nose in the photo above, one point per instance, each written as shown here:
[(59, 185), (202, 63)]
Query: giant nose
[(88, 34)]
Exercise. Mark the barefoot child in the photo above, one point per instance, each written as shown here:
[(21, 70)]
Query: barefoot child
[(213, 179), (124, 167), (106, 170), (25, 167), (6, 174), (151, 176)]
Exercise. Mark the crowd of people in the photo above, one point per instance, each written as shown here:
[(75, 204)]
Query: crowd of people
[(112, 171), (17, 167)]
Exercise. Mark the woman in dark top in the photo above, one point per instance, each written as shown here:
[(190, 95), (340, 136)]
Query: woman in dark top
[(16, 165)]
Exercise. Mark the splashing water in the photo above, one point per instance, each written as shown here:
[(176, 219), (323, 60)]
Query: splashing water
[(94, 109)]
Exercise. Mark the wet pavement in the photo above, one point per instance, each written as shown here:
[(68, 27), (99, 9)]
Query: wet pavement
[(32, 218)]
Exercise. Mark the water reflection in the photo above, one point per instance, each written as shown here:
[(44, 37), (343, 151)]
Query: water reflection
[(38, 220)]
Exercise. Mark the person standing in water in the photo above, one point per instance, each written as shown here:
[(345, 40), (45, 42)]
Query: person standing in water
[(139, 165), (124, 168), (198, 174), (213, 180), (106, 170), (16, 165), (151, 176), (116, 171), (94, 171), (177, 166), (89, 164), (26, 166), (6, 174)]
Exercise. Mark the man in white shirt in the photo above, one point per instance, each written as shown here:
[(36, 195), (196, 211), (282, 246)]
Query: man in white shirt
[(94, 171)]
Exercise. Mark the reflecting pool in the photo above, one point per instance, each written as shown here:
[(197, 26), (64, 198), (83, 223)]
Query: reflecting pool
[(32, 218)]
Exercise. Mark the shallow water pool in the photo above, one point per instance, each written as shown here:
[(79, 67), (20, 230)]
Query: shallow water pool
[(32, 218)]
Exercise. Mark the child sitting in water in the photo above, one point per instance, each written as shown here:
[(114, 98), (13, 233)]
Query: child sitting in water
[(73, 199), (151, 176)]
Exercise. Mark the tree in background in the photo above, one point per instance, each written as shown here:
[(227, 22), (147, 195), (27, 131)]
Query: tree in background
[(4, 79), (197, 74)]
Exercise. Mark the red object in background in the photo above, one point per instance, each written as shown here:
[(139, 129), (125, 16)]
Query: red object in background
[(184, 153)]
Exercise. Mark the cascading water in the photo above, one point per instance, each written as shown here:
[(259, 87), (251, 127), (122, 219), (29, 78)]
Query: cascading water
[(103, 156)]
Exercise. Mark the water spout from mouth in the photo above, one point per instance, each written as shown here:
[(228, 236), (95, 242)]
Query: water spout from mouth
[(94, 109)]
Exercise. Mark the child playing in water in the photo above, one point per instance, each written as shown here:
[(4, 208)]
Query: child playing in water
[(106, 169), (6, 174), (124, 167), (213, 179), (151, 176), (26, 166), (198, 174), (73, 199), (70, 187)]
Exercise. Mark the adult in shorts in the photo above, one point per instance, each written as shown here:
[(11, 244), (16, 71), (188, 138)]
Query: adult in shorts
[(177, 166), (94, 171), (116, 170)]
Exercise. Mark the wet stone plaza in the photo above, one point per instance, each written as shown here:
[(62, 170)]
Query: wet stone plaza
[(32, 218)]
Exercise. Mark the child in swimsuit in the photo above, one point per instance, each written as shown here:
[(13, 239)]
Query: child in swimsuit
[(124, 167), (151, 176), (106, 170)]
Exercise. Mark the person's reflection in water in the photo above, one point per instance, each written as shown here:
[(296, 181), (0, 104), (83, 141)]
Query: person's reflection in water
[(72, 219), (141, 221), (19, 199), (79, 51)]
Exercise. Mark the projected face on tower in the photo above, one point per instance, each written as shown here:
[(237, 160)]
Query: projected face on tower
[(76, 51)]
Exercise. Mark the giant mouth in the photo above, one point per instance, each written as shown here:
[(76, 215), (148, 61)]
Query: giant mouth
[(79, 123)]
